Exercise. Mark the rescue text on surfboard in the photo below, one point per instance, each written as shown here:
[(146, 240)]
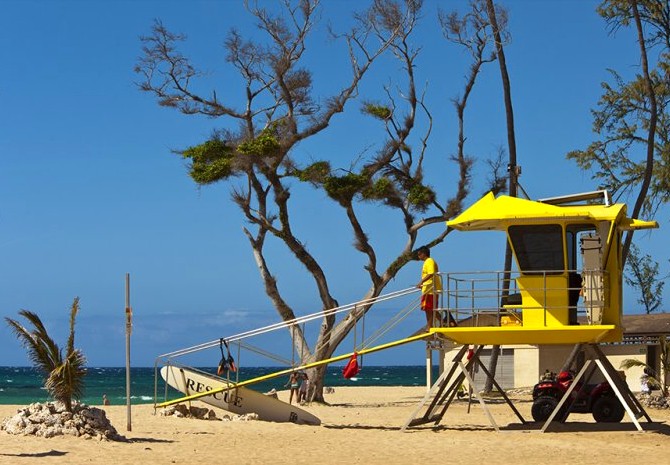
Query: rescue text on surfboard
[(227, 396)]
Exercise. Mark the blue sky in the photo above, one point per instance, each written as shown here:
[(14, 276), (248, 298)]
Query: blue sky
[(90, 189)]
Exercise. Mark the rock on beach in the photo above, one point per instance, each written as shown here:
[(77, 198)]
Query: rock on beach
[(51, 419)]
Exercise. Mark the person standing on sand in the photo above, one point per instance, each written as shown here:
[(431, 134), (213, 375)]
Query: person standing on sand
[(105, 400), (293, 382), (304, 389), (430, 284)]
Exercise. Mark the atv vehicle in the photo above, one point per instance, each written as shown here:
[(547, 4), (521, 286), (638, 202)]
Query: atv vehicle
[(598, 399)]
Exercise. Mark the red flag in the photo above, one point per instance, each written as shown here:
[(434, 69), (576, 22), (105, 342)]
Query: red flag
[(351, 369)]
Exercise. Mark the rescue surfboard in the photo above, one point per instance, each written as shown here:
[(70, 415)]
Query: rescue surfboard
[(238, 400)]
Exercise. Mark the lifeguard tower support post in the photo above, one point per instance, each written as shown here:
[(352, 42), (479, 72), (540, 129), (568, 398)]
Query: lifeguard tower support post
[(549, 238)]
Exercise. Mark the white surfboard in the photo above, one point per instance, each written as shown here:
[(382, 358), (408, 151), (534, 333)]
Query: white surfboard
[(239, 400)]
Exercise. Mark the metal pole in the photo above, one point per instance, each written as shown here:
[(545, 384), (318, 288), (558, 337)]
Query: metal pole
[(429, 366), (129, 326)]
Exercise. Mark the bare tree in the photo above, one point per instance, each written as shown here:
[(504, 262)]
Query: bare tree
[(281, 110), (472, 32), (498, 17)]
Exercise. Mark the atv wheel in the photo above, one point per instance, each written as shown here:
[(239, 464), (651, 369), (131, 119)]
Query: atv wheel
[(542, 407), (608, 409)]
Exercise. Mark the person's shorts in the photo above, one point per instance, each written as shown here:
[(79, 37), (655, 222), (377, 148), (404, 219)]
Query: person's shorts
[(427, 302)]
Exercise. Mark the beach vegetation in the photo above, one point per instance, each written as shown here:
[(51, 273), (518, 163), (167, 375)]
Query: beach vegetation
[(656, 380), (63, 368)]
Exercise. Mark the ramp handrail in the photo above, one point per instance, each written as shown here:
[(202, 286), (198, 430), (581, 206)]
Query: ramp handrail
[(285, 324)]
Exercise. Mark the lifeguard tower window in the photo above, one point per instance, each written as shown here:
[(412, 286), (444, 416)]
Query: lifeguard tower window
[(538, 248)]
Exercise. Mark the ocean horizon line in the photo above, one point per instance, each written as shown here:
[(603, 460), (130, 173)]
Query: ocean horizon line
[(209, 366), (25, 384)]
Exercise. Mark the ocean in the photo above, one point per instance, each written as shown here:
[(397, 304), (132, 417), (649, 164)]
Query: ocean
[(24, 385)]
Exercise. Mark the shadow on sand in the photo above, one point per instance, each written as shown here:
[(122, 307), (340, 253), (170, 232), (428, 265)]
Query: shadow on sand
[(150, 440), (588, 427), (529, 427), (51, 453)]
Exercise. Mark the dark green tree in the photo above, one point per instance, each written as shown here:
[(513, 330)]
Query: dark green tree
[(64, 371), (632, 152), (644, 277)]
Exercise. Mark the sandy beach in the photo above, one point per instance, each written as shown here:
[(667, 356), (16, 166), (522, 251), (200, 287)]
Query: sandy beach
[(360, 426)]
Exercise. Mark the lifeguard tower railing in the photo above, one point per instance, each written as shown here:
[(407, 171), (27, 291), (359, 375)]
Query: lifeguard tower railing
[(493, 298)]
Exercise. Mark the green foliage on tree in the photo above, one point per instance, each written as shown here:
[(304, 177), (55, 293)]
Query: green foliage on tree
[(631, 119), (379, 111), (644, 277), (264, 145), (64, 371), (420, 197), (621, 120), (316, 173), (211, 161), (344, 188)]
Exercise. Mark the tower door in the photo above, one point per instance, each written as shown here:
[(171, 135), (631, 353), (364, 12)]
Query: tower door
[(593, 277)]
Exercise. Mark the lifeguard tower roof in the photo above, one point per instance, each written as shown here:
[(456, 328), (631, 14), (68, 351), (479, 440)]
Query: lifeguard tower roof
[(491, 213)]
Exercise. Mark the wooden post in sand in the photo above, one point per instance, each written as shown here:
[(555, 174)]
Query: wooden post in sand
[(129, 328)]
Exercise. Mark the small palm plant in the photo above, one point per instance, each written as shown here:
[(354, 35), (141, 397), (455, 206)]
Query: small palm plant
[(657, 381), (64, 372)]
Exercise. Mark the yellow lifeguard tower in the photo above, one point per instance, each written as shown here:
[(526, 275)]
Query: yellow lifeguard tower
[(549, 238), (567, 253)]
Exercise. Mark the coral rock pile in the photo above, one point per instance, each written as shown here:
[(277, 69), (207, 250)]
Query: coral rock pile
[(51, 419), (182, 411), (654, 401)]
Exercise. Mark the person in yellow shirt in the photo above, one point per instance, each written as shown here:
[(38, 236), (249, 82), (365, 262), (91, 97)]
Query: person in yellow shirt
[(430, 284)]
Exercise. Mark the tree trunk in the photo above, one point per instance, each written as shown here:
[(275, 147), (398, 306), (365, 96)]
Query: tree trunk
[(573, 357), (512, 168), (493, 365), (653, 117), (316, 377)]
